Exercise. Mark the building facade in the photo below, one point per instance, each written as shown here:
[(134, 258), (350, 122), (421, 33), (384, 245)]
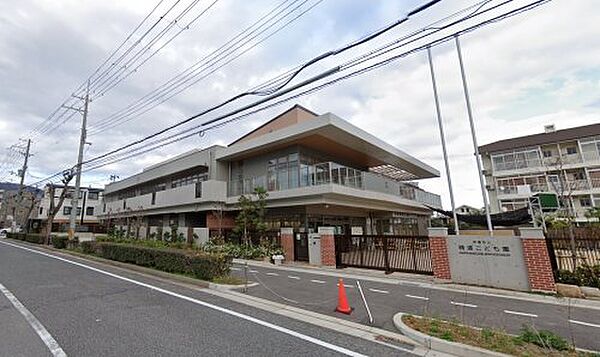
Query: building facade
[(90, 205), (318, 170), (565, 162)]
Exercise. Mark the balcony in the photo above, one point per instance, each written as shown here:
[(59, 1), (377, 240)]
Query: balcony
[(333, 173), (570, 186)]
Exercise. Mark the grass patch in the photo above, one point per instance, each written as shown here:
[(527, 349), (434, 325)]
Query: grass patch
[(228, 280), (529, 343)]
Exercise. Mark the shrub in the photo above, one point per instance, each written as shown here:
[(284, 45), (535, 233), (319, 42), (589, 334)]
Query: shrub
[(242, 250), (583, 276), (88, 247), (34, 238), (198, 264), (544, 339), (59, 242)]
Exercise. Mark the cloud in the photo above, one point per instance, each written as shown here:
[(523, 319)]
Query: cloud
[(534, 69)]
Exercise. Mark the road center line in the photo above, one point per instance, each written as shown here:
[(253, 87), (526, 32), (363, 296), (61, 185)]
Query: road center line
[(379, 291), (272, 326), (253, 271), (417, 297), (273, 274), (37, 326), (294, 277), (317, 281), (236, 269), (520, 313), (583, 323), (462, 304)]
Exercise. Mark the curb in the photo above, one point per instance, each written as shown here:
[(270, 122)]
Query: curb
[(437, 285), (437, 344)]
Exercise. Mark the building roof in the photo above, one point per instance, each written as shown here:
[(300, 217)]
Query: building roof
[(542, 138), (331, 134)]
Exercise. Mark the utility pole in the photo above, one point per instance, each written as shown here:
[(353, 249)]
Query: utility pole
[(20, 192), (82, 142), (486, 203)]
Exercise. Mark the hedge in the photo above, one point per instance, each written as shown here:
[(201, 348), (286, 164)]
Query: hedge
[(198, 264), (28, 237), (583, 276), (59, 242)]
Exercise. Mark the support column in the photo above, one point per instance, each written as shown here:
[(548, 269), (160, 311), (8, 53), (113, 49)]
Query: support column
[(287, 243), (537, 260), (439, 252), (327, 246)]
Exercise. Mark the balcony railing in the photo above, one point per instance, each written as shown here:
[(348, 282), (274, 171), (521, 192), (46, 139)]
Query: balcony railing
[(575, 185), (333, 173)]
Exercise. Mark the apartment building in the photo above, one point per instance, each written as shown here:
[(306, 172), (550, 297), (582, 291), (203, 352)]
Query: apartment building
[(565, 162), (90, 204), (319, 170)]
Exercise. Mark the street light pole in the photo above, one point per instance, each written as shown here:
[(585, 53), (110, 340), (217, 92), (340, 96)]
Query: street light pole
[(443, 138), (486, 203)]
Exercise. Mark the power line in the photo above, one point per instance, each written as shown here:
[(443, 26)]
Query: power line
[(187, 78), (103, 160)]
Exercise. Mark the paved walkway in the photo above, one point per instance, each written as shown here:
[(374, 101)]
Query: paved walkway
[(315, 289)]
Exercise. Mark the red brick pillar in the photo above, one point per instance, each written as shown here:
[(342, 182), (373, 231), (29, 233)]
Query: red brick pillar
[(537, 260), (439, 252), (287, 243), (327, 246)]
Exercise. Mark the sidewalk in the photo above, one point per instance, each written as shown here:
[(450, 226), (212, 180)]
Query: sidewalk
[(422, 281)]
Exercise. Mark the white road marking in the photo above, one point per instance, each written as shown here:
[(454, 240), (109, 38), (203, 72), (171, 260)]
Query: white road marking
[(253, 271), (520, 313), (317, 281), (584, 323), (270, 325), (417, 297), (236, 269), (379, 291), (273, 274), (37, 326), (462, 304), (294, 277)]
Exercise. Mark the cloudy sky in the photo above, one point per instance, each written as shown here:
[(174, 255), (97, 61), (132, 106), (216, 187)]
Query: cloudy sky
[(541, 67)]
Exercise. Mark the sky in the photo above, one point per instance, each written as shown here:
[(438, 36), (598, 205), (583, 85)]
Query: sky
[(540, 67)]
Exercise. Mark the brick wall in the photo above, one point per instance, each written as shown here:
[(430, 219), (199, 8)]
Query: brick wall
[(327, 250), (538, 265), (439, 257)]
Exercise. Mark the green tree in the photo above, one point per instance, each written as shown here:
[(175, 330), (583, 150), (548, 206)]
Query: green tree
[(250, 221), (593, 213)]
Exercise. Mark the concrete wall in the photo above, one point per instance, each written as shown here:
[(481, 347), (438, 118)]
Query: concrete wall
[(488, 261)]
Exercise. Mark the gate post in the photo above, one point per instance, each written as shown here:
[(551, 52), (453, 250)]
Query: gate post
[(440, 261), (327, 246), (287, 243), (537, 260)]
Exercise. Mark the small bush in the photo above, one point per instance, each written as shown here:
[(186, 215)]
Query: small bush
[(198, 264), (34, 238), (59, 242), (242, 250), (583, 276), (545, 339)]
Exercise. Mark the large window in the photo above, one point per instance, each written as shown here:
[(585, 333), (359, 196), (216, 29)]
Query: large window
[(189, 179), (509, 185), (591, 149), (516, 160), (93, 196)]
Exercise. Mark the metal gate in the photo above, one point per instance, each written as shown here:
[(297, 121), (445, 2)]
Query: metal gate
[(390, 253), (301, 246)]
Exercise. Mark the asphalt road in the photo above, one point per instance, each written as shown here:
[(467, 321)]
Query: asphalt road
[(318, 292), (106, 312)]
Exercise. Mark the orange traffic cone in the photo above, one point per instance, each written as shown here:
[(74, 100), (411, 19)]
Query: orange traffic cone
[(343, 305)]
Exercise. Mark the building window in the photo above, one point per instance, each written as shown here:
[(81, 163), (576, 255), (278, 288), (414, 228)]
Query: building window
[(189, 180), (89, 211), (571, 150), (41, 210), (547, 153), (104, 207), (585, 202), (93, 196), (66, 210)]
